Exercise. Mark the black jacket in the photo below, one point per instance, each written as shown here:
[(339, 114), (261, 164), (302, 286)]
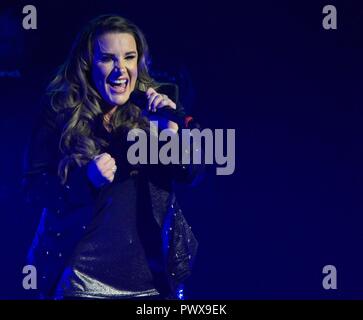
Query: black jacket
[(67, 209)]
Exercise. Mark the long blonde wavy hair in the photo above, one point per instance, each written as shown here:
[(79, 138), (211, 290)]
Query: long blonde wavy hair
[(77, 103)]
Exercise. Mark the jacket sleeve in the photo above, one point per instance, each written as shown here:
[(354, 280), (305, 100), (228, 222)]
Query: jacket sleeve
[(190, 173), (40, 184)]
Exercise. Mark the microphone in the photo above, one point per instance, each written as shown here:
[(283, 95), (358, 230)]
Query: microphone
[(177, 115)]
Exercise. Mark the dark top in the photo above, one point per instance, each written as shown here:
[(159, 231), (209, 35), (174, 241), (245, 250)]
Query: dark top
[(67, 210), (120, 255)]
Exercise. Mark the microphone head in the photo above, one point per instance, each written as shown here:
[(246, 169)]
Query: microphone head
[(139, 98)]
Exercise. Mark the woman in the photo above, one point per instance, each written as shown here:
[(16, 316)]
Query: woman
[(108, 229)]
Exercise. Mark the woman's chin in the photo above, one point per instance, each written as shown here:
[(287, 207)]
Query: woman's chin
[(118, 101)]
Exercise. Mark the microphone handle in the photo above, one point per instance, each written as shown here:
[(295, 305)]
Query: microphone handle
[(178, 116)]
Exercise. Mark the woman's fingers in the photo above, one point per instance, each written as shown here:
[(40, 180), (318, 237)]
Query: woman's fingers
[(166, 102), (110, 170), (108, 164), (105, 161), (109, 176), (105, 168), (102, 158), (157, 100), (153, 97)]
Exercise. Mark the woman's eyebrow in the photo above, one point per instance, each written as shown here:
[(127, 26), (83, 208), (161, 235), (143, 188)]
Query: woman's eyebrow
[(106, 53), (112, 54)]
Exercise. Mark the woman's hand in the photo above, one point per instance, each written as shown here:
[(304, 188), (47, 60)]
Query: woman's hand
[(156, 101), (101, 170)]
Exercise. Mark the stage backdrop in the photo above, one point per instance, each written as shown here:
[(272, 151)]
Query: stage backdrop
[(291, 89)]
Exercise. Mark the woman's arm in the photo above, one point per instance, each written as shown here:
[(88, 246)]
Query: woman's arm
[(192, 173), (41, 185)]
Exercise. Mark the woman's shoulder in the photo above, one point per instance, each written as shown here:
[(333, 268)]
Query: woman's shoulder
[(48, 115)]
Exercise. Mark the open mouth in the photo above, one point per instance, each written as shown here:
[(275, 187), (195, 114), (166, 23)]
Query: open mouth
[(118, 83)]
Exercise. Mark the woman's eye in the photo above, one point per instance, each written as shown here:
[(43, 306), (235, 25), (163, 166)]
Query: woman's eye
[(105, 59), (130, 57)]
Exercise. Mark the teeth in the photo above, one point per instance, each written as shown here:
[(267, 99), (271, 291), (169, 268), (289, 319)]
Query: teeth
[(118, 82)]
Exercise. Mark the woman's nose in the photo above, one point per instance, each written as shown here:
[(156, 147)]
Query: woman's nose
[(119, 68)]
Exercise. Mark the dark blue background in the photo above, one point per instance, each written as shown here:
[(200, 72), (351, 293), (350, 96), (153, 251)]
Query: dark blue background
[(292, 91)]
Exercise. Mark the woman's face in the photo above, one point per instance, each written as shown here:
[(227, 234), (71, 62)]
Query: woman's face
[(114, 67)]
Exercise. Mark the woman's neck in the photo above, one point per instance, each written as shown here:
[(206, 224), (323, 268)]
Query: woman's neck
[(107, 118)]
